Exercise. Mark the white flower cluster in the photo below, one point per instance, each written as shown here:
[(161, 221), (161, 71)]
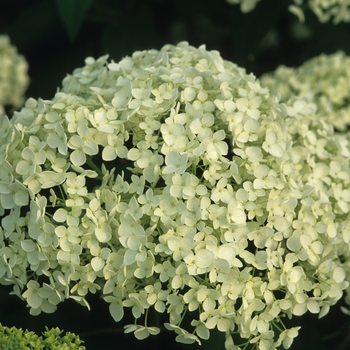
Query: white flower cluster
[(245, 5), (323, 80), (325, 10), (172, 182), (14, 79)]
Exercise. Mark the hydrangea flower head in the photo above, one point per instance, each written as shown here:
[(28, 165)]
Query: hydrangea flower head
[(173, 182), (325, 10), (323, 80), (13, 75)]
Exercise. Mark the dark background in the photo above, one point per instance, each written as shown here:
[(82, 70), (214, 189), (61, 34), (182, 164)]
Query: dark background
[(56, 36), (56, 39)]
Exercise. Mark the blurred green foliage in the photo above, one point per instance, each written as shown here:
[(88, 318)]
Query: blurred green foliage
[(56, 36), (72, 13)]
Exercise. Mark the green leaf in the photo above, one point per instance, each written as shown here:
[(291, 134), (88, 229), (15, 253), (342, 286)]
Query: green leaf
[(72, 13)]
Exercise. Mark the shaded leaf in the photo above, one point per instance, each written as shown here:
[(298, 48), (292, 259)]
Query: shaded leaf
[(72, 13)]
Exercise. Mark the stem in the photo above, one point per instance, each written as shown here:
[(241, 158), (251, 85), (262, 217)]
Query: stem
[(146, 317), (94, 167), (183, 316), (275, 325)]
